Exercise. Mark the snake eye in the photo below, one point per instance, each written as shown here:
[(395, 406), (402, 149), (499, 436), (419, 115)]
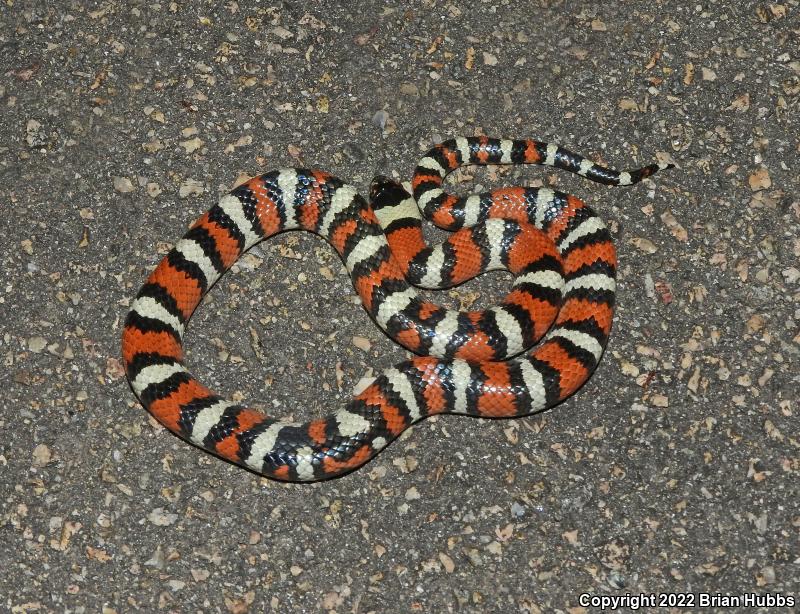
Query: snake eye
[(384, 191)]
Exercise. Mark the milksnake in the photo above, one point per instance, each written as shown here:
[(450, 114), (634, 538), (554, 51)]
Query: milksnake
[(559, 251)]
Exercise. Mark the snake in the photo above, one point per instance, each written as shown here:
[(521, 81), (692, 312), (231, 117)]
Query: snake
[(482, 362)]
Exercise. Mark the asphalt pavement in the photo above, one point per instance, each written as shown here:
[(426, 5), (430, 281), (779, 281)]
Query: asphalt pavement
[(672, 475)]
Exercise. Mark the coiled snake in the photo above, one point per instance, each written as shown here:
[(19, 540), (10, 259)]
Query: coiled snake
[(559, 251)]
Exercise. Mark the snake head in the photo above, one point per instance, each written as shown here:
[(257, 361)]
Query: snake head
[(386, 192)]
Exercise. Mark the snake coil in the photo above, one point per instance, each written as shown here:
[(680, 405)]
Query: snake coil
[(559, 251)]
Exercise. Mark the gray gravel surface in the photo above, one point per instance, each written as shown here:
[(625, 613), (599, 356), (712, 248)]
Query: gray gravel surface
[(675, 469)]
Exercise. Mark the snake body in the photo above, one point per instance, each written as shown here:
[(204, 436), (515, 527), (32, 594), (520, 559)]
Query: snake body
[(559, 251)]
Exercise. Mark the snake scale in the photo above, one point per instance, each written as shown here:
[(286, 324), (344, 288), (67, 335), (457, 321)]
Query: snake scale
[(558, 250)]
